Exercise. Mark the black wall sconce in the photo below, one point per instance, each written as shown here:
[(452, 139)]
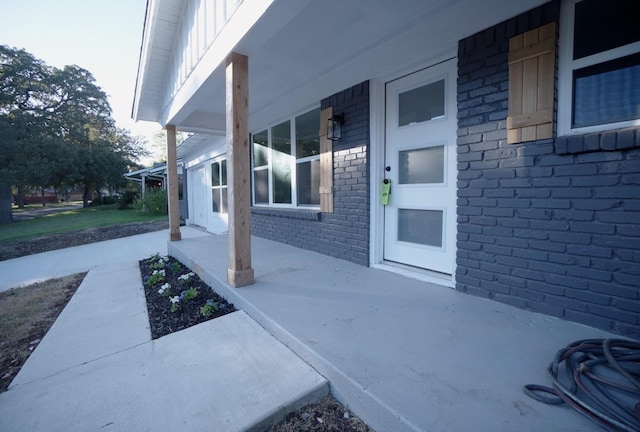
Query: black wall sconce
[(334, 127)]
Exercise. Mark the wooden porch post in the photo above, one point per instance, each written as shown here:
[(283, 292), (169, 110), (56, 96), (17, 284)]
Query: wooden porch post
[(172, 187), (239, 272)]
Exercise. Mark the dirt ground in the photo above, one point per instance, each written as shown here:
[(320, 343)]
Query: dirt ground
[(9, 250), (26, 314)]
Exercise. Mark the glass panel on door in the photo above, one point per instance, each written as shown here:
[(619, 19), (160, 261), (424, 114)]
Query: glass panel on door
[(424, 165), (420, 226), (421, 104)]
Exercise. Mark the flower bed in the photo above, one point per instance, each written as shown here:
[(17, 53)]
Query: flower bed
[(176, 297)]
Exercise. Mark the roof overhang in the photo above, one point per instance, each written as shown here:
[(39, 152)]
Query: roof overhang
[(157, 172), (301, 51)]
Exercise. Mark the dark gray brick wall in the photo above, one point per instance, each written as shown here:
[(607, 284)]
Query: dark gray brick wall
[(345, 232), (551, 226)]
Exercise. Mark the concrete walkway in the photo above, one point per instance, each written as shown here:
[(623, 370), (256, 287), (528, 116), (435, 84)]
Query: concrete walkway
[(404, 355), (98, 369)]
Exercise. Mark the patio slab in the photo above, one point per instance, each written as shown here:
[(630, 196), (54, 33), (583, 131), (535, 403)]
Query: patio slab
[(404, 355)]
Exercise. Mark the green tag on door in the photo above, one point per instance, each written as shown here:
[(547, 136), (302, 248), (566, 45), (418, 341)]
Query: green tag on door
[(386, 191)]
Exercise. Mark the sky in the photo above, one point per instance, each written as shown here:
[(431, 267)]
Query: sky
[(101, 36)]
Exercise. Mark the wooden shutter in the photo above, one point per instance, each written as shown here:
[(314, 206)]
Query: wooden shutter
[(532, 57), (326, 163)]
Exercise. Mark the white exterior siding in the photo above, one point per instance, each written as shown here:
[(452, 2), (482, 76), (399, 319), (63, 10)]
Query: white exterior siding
[(201, 23), (197, 157)]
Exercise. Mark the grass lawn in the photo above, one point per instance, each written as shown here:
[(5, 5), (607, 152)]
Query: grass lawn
[(72, 220)]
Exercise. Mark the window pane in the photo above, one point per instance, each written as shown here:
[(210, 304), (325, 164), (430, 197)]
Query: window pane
[(281, 178), (308, 185), (608, 92), (281, 138), (421, 104), (261, 185), (422, 165), (604, 25), (281, 163), (223, 170), (225, 205), (260, 149), (307, 139), (215, 174), (215, 195), (420, 226)]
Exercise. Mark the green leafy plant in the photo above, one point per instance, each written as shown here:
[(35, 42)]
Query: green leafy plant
[(154, 202), (189, 294), (156, 277), (158, 265), (176, 267), (158, 262), (209, 308)]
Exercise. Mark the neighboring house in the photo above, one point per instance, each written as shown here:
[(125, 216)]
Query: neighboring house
[(156, 177), (508, 131), (38, 196)]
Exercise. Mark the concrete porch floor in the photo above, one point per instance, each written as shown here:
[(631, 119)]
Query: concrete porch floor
[(404, 355)]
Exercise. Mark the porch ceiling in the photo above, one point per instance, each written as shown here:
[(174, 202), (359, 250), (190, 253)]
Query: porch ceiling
[(301, 51)]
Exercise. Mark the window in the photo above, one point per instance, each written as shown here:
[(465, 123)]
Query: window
[(600, 66), (219, 186), (308, 158), (286, 163)]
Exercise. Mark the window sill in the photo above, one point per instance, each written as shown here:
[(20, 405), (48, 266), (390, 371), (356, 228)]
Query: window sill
[(613, 140), (287, 213)]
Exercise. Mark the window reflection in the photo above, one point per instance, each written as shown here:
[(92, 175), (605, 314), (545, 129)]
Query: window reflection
[(421, 104)]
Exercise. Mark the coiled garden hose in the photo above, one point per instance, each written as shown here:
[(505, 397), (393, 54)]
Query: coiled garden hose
[(601, 381)]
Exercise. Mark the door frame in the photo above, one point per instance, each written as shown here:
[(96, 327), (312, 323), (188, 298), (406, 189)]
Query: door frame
[(377, 110)]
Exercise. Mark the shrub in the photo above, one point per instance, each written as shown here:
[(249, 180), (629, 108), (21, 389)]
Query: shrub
[(127, 199), (155, 202)]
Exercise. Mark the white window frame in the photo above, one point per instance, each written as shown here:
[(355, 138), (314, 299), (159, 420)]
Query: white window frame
[(294, 165), (219, 188), (565, 74)]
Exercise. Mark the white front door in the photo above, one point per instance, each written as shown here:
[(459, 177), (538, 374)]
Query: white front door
[(198, 196), (420, 162)]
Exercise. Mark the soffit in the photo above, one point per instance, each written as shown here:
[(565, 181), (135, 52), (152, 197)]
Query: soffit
[(296, 59)]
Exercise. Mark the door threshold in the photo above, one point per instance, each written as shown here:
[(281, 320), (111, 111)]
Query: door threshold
[(416, 273)]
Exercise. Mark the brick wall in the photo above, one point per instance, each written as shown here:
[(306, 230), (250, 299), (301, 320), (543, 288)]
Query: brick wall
[(345, 232), (551, 226)]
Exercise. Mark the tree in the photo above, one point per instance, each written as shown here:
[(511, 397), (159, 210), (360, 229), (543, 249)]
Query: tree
[(159, 144), (56, 129), (24, 104)]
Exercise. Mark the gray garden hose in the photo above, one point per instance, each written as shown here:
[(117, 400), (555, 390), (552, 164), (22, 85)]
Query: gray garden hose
[(601, 381)]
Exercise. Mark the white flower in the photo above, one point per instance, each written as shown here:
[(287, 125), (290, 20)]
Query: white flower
[(164, 288), (186, 277), (175, 299), (159, 271)]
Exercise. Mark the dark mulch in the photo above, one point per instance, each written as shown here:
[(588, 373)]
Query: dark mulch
[(186, 312)]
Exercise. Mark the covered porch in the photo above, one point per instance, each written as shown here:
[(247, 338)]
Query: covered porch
[(403, 354)]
